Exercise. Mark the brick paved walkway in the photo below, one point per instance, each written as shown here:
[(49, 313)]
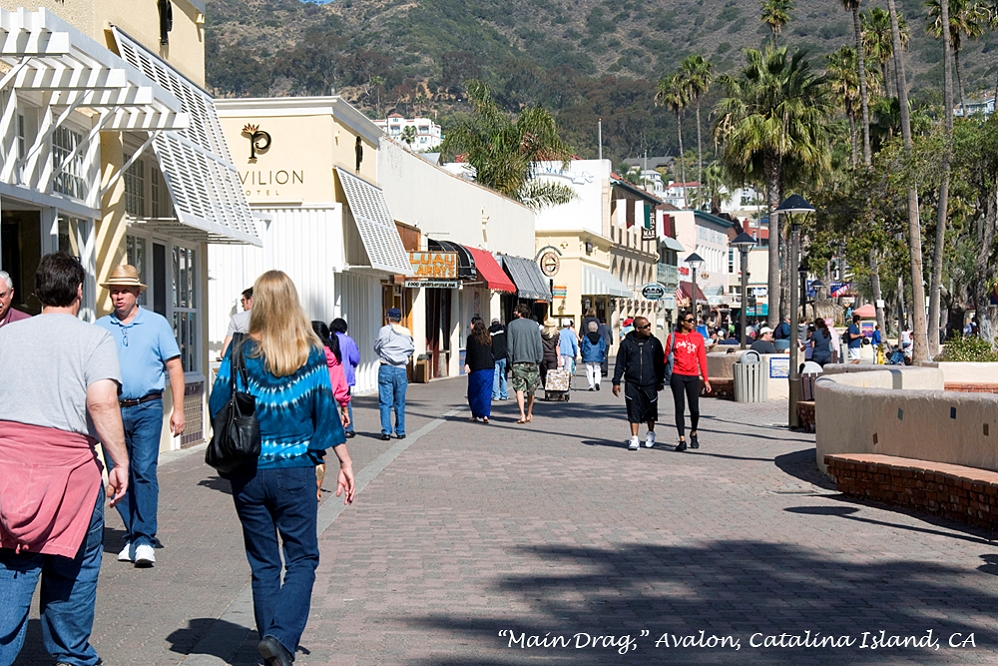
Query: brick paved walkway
[(478, 539)]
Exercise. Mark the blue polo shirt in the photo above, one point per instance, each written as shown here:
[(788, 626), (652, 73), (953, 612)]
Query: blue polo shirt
[(857, 342), (144, 345)]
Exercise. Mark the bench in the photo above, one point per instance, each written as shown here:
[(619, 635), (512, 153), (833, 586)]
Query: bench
[(964, 494)]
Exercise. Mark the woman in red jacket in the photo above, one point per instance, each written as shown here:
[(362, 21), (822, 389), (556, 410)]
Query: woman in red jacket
[(690, 355)]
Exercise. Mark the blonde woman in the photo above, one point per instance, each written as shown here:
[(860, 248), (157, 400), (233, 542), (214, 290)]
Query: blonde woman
[(276, 499)]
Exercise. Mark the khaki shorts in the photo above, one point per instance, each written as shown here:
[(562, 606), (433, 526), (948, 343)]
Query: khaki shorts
[(525, 378)]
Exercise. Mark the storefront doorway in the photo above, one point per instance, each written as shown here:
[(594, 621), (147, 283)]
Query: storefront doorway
[(438, 328), (21, 240)]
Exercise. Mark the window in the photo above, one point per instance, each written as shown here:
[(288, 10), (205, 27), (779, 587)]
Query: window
[(22, 149), (135, 183), (69, 164), (156, 193), (185, 316), (135, 251)]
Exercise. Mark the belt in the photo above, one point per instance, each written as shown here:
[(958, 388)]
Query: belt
[(148, 397)]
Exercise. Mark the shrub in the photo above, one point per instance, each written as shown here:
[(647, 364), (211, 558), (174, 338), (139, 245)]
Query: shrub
[(969, 350)]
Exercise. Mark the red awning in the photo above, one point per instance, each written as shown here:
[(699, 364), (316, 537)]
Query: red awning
[(490, 271), (686, 289)]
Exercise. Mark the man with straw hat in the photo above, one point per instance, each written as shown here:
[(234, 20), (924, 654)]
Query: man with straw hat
[(148, 352)]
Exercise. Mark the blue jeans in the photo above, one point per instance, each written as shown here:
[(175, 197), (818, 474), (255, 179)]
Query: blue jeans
[(69, 592), (143, 424), (499, 386), (350, 412), (392, 383), (271, 502)]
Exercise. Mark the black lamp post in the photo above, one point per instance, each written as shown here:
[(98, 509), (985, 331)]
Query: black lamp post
[(743, 242), (794, 204), (695, 261)]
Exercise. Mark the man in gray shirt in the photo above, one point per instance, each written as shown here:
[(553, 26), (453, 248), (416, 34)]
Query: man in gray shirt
[(62, 377), (525, 352), (394, 347)]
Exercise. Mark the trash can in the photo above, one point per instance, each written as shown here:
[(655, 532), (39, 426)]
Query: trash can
[(750, 378)]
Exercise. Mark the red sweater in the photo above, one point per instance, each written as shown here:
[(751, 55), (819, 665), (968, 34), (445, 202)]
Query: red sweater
[(690, 353)]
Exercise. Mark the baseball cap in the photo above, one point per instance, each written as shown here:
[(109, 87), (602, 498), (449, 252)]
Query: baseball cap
[(394, 313), (764, 330)]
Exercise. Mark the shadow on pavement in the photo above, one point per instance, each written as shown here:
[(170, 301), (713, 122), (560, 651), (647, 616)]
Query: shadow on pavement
[(114, 539), (802, 465), (217, 483), (731, 588), (225, 635)]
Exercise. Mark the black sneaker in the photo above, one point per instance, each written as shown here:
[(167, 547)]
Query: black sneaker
[(597, 387), (400, 436), (385, 437), (694, 442), (681, 446)]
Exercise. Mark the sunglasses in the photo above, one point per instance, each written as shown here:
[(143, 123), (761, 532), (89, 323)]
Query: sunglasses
[(688, 321)]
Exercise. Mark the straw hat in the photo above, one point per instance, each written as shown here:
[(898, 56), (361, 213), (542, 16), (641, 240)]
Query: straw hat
[(124, 276)]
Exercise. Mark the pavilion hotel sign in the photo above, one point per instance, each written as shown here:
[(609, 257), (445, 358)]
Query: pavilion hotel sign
[(433, 269)]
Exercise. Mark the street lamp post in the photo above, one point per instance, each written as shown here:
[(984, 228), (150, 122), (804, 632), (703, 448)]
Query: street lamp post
[(794, 204), (695, 261), (743, 242)]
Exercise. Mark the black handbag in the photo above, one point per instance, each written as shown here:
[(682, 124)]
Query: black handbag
[(235, 438)]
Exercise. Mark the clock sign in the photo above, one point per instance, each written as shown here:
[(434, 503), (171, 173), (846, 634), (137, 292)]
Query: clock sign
[(550, 263)]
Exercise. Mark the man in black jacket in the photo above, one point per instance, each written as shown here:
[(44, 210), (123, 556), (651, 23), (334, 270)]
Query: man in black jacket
[(641, 362), (499, 386)]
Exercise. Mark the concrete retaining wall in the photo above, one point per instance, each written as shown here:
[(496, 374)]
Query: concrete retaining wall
[(863, 412)]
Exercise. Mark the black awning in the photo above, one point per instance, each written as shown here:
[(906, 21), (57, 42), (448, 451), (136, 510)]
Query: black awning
[(465, 261), (526, 275)]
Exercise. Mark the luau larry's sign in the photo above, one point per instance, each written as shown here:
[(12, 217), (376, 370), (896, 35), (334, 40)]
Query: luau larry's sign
[(434, 265)]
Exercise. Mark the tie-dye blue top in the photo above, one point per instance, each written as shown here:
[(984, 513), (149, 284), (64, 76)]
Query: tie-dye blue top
[(297, 413)]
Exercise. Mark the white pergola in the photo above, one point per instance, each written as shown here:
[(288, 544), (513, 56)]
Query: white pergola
[(49, 64)]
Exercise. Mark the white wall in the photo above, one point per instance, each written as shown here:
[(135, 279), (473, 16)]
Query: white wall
[(449, 208), (588, 178)]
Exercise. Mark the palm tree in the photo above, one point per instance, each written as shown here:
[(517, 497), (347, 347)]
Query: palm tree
[(776, 14), (853, 6), (672, 93), (774, 127), (966, 18), (409, 135), (843, 78), (877, 39), (919, 348), (505, 152), (697, 75)]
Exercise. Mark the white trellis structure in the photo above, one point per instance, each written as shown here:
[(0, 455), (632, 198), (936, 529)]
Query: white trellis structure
[(47, 64)]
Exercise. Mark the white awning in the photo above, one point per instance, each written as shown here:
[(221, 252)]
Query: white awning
[(196, 162), (672, 244), (598, 282), (41, 53), (375, 225)]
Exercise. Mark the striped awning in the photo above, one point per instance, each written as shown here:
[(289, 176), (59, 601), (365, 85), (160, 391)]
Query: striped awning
[(526, 274), (599, 282), (375, 225), (196, 163)]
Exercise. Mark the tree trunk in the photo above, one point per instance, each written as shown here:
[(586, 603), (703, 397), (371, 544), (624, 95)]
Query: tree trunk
[(900, 307), (984, 272), (854, 140), (772, 169), (699, 156), (787, 275), (878, 296), (682, 162), (863, 94), (959, 82), (935, 282), (919, 347)]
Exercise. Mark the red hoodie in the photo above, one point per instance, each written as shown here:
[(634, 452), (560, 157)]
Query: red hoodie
[(690, 352)]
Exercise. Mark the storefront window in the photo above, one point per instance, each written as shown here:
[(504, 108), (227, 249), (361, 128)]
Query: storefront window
[(135, 249), (69, 180), (184, 307), (135, 182)]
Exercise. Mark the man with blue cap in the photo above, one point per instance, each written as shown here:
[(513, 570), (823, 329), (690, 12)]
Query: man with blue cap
[(394, 348)]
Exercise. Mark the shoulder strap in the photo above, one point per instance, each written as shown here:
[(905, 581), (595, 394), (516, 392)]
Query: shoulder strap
[(237, 362)]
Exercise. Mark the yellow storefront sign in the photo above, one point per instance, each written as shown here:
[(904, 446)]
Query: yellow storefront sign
[(438, 265)]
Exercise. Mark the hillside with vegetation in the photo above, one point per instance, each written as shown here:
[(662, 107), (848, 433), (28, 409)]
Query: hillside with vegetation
[(583, 59)]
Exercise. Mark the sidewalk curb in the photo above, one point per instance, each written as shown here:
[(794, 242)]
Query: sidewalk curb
[(219, 639)]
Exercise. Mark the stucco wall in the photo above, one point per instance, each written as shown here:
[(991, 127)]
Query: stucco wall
[(448, 208), (586, 212), (872, 376), (861, 412), (969, 373)]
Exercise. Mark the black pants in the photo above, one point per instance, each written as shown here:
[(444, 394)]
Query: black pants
[(686, 386)]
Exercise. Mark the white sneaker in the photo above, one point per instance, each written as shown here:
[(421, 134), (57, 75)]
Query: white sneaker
[(634, 446), (650, 439), (126, 553), (145, 555)]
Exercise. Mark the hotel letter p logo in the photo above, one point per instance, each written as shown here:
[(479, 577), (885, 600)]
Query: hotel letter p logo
[(259, 140)]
